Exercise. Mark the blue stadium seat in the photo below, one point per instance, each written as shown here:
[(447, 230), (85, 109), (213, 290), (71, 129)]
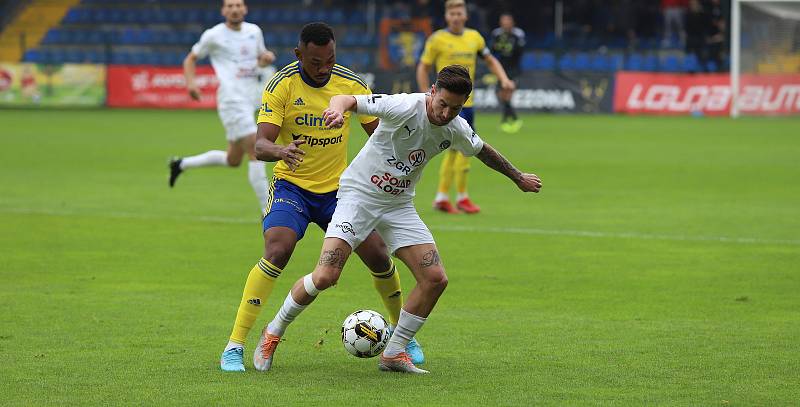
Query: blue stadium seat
[(670, 63), (546, 61), (566, 63), (600, 62), (33, 55), (650, 63), (582, 61), (690, 63), (635, 62), (53, 36), (528, 61)]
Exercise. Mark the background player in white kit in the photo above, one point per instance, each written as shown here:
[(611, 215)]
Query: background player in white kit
[(376, 192), (237, 51)]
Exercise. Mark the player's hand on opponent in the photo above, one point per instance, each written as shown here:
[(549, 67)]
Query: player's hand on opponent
[(194, 92), (333, 118), (508, 85), (529, 183), (292, 155)]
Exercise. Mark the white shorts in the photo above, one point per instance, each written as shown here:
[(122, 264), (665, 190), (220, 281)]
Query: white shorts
[(238, 119), (399, 225)]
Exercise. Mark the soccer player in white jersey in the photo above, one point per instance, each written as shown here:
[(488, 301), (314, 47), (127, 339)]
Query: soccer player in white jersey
[(376, 192), (237, 51)]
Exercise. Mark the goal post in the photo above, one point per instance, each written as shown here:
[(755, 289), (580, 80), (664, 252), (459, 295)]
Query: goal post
[(765, 57)]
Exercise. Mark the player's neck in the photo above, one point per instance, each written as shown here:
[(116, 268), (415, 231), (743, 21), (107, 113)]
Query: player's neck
[(456, 31), (234, 26)]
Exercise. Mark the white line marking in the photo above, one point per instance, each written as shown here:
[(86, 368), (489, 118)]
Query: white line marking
[(443, 228)]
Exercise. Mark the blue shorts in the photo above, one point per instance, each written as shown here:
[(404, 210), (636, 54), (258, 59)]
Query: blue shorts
[(468, 113), (293, 207)]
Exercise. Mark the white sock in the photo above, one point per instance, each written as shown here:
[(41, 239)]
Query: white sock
[(288, 312), (462, 196), (408, 326), (258, 180), (207, 159), (232, 345), (441, 197)]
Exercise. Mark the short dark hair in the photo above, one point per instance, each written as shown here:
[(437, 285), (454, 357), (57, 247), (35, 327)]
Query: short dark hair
[(454, 78), (319, 33)]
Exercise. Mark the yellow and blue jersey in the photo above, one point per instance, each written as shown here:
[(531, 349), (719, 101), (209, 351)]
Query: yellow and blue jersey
[(444, 48), (295, 103)]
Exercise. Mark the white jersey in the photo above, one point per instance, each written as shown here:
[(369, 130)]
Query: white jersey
[(234, 56), (390, 164)]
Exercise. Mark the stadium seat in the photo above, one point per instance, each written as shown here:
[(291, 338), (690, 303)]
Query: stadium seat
[(32, 55), (690, 63), (582, 61), (670, 63), (635, 62), (650, 63), (546, 61)]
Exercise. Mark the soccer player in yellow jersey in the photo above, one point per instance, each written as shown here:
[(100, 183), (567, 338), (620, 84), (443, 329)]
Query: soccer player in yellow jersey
[(310, 159), (457, 45)]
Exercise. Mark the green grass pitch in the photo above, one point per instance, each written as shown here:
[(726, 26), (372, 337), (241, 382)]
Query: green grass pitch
[(659, 266)]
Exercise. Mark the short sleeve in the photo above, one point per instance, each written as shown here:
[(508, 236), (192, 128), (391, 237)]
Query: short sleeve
[(360, 90), (273, 103), (483, 51), (521, 35), (203, 47), (429, 53), (387, 107), (465, 140)]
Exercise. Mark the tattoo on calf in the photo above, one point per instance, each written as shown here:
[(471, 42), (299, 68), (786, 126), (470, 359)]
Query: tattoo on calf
[(430, 258), (333, 257)]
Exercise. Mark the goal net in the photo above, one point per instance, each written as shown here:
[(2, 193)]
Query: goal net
[(765, 57)]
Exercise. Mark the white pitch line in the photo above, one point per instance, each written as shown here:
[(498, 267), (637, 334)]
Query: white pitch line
[(443, 228)]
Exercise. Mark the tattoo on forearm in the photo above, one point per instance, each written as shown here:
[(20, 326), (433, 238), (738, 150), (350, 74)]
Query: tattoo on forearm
[(333, 257), (430, 258), (497, 162)]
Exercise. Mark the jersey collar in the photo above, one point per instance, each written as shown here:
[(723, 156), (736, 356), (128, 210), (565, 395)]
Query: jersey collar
[(309, 81)]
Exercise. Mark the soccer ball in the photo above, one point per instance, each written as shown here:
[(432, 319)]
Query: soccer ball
[(365, 333)]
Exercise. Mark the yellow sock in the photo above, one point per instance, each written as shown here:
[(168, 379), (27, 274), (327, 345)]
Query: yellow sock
[(388, 286), (460, 170), (446, 171), (256, 292)]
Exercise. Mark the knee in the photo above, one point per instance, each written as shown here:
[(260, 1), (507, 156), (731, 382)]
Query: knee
[(326, 278), (435, 280), (233, 161), (278, 253)]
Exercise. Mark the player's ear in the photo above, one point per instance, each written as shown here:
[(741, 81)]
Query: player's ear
[(298, 54)]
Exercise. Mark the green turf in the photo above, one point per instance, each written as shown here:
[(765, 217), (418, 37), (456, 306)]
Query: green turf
[(660, 266)]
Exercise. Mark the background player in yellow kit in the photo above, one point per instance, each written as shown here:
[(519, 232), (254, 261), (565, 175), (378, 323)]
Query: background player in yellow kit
[(310, 159), (457, 45)]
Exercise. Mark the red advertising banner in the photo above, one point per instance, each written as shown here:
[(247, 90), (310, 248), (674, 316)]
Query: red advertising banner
[(709, 94), (163, 87)]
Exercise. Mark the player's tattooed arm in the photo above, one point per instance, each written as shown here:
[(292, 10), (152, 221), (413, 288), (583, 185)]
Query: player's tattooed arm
[(494, 160), (335, 258), (430, 258)]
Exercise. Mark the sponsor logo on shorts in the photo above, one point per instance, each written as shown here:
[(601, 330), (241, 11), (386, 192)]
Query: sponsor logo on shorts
[(390, 184), (346, 227), (416, 157), (291, 202), (254, 301), (444, 145)]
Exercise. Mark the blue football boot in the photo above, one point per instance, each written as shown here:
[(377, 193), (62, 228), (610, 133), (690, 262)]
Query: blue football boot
[(232, 360)]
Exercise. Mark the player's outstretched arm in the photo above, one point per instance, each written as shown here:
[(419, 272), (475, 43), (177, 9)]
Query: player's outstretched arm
[(497, 69), (494, 160), (267, 150), (334, 114)]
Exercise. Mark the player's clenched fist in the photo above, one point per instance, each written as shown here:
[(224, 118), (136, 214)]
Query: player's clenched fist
[(529, 183), (292, 155), (333, 118)]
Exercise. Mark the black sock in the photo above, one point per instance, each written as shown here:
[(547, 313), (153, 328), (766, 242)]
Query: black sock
[(506, 111), (511, 111)]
